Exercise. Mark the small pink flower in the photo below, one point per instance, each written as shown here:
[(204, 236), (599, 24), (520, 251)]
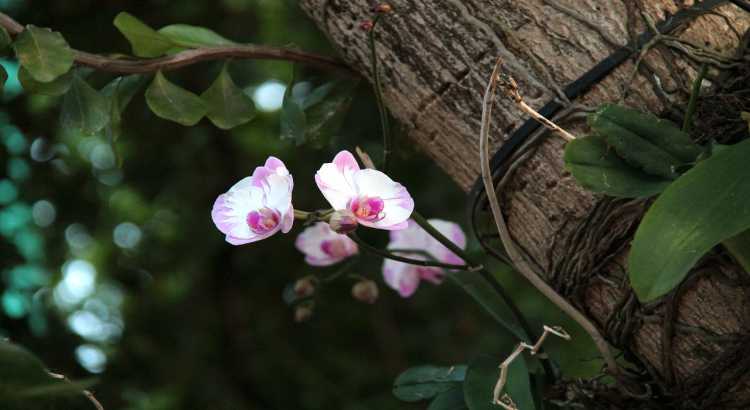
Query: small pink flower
[(404, 277), (374, 198), (258, 206), (323, 247)]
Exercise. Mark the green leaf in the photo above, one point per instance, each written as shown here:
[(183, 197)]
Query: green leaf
[(293, 119), (326, 108), (119, 92), (43, 52), (23, 377), (450, 400), (481, 291), (145, 41), (706, 205), (597, 168), (83, 108), (482, 376), (188, 36), (655, 145), (174, 103), (425, 382), (54, 88), (5, 39), (228, 105)]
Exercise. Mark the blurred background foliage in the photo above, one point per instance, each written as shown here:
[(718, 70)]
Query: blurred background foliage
[(118, 273)]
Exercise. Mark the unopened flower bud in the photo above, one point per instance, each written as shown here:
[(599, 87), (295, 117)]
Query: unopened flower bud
[(383, 8), (343, 221), (303, 313), (367, 25), (365, 291), (305, 287)]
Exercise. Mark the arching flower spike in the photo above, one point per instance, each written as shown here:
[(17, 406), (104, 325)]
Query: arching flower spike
[(404, 277), (373, 197), (257, 206), (323, 247)]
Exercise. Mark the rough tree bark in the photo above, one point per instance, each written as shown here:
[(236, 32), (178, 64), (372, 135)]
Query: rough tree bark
[(436, 57)]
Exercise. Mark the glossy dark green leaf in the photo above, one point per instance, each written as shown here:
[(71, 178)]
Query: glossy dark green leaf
[(54, 88), (706, 205), (44, 53), (425, 382), (188, 36), (83, 108), (326, 107), (26, 384), (450, 400), (481, 291), (482, 376), (293, 119), (174, 103), (597, 168), (645, 141), (228, 106), (5, 39), (145, 41)]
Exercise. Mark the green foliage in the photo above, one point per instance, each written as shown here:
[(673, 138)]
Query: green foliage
[(655, 145), (26, 384), (188, 36), (293, 119), (425, 382), (316, 115), (228, 105), (44, 53), (597, 168), (481, 291), (707, 205), (174, 103), (119, 92), (5, 39), (83, 109), (482, 376), (54, 88), (450, 400), (145, 41)]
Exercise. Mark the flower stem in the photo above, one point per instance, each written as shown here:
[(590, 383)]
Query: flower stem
[(378, 88), (388, 255), (693, 103)]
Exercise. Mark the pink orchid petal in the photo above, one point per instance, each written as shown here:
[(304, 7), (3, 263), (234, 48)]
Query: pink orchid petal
[(313, 239), (401, 277), (335, 180)]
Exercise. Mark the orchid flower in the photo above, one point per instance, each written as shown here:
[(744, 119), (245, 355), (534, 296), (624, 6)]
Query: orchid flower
[(404, 277), (373, 197), (257, 206), (323, 247)]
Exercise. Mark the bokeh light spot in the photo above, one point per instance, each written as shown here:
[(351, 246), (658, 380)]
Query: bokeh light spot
[(269, 96), (127, 235), (91, 358), (44, 213), (8, 192), (78, 283)]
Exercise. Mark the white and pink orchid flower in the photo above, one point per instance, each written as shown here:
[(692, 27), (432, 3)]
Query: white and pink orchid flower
[(258, 206), (404, 277), (323, 247), (373, 197)]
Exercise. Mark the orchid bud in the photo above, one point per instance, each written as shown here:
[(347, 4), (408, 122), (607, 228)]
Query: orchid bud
[(383, 8), (343, 221), (365, 291), (303, 313), (367, 25), (305, 287)]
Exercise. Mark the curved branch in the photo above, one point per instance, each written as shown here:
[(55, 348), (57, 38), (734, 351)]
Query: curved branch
[(190, 57)]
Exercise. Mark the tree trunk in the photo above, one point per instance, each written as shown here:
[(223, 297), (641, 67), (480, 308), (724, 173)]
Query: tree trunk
[(436, 56)]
